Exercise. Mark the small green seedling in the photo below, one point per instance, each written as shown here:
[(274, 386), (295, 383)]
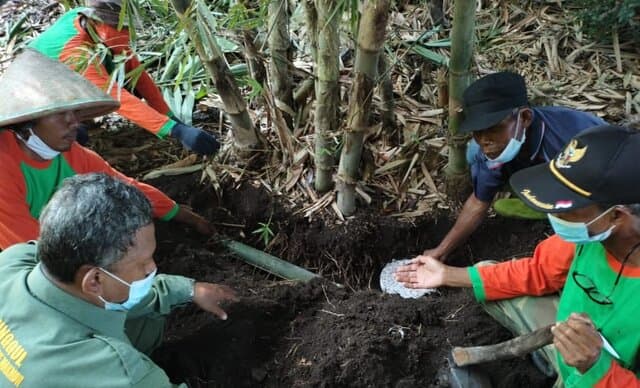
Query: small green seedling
[(265, 232)]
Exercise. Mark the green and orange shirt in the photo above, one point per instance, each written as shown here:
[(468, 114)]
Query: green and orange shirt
[(549, 270), (68, 41), (29, 184)]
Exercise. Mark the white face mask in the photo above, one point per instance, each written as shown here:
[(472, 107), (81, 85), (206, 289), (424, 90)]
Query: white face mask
[(35, 144)]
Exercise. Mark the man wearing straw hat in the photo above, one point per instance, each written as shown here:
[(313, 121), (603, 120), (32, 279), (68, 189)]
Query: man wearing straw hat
[(508, 136), (43, 104), (590, 195), (83, 306), (74, 39)]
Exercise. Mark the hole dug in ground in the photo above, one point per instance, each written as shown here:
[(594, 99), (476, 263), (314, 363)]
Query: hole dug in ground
[(317, 334)]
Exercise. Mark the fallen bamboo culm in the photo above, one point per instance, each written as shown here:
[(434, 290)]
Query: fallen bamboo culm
[(513, 348)]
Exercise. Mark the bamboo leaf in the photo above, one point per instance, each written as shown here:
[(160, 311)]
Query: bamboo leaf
[(187, 107), (177, 101), (430, 55), (226, 45)]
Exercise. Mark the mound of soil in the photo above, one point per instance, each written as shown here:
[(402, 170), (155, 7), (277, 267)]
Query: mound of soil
[(319, 334)]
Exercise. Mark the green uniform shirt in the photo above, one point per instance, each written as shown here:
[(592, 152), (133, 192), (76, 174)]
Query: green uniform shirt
[(617, 322), (49, 338)]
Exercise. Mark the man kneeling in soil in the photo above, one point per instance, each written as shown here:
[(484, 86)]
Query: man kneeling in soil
[(83, 306), (45, 102), (590, 194), (508, 135)]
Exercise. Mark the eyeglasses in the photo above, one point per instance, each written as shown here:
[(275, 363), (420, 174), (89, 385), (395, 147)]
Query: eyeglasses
[(589, 287)]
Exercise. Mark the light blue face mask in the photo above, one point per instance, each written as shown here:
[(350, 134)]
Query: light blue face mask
[(511, 150), (137, 291), (578, 232)]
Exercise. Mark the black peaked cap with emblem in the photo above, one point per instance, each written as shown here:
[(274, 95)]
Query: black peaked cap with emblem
[(491, 99), (600, 165)]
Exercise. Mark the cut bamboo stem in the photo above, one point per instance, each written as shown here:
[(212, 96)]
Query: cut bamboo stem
[(269, 263)]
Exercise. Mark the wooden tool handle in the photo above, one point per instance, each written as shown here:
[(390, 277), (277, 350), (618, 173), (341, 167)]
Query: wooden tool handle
[(515, 347)]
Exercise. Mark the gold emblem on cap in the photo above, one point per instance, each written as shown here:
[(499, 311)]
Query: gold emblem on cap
[(534, 200), (571, 154)]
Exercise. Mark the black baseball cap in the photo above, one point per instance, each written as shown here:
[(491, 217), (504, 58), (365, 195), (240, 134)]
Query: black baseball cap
[(599, 165), (491, 99)]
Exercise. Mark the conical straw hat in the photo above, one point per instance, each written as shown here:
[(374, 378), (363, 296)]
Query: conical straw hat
[(35, 86)]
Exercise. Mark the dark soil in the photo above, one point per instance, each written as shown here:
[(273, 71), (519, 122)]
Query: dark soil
[(318, 334)]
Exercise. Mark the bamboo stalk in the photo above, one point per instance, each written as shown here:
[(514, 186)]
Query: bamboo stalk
[(327, 89), (269, 263), (386, 95), (279, 66), (459, 78), (311, 19), (256, 66), (201, 34), (371, 35)]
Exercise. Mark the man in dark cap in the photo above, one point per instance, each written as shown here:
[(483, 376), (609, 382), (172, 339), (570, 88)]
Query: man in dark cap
[(508, 135), (73, 39), (590, 195)]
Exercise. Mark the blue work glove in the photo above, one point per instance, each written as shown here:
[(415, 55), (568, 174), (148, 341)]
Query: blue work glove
[(195, 139)]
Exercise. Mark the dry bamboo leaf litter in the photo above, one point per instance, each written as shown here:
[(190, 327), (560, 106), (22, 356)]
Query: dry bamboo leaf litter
[(540, 40)]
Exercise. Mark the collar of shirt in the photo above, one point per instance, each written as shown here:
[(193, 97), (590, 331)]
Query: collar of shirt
[(535, 137), (109, 323)]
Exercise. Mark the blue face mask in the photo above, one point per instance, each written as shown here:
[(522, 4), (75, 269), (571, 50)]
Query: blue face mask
[(137, 291), (578, 232), (511, 150)]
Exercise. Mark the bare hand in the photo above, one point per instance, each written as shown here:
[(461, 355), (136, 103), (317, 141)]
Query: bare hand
[(187, 216), (578, 341), (209, 296), (422, 272), (436, 254)]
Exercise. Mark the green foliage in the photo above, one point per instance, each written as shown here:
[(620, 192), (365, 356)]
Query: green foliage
[(602, 17), (256, 87), (423, 46), (265, 232), (241, 17), (15, 30)]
